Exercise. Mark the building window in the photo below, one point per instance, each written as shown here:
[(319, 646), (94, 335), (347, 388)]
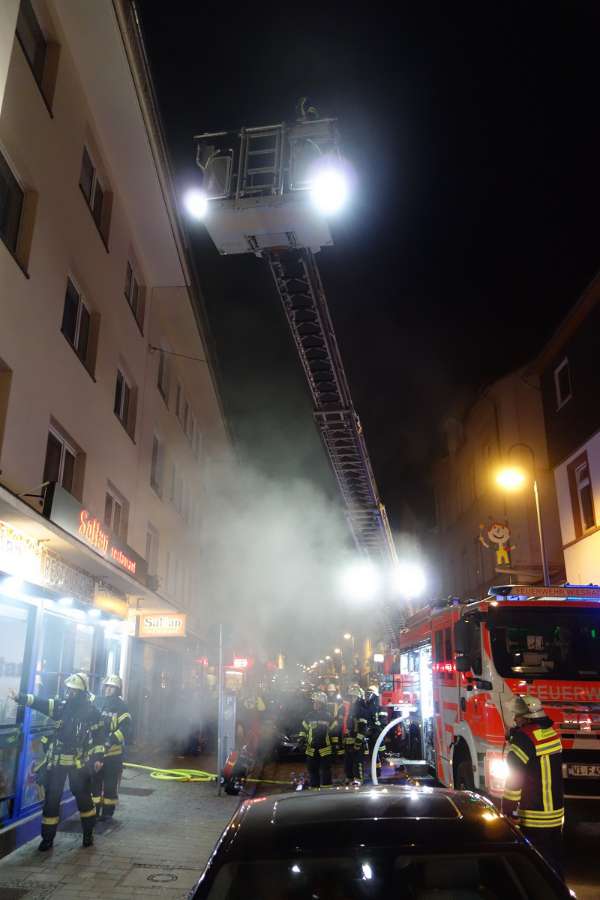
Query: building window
[(32, 39), (163, 376), (133, 294), (76, 322), (92, 190), (152, 549), (124, 406), (582, 495), (11, 206), (60, 461), (562, 383), (116, 513), (156, 465)]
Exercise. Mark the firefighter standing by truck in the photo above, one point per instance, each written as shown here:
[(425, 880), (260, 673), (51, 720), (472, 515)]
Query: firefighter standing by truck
[(319, 734), (376, 721), (117, 720), (533, 790), (75, 751), (356, 746)]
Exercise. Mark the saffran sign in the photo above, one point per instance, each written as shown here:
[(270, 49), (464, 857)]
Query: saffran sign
[(65, 511)]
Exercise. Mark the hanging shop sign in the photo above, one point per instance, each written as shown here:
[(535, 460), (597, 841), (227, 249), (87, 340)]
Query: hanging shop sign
[(65, 511), (162, 624)]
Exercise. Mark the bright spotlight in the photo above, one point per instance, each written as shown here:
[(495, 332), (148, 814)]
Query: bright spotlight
[(196, 203), (510, 479), (329, 190), (409, 580), (361, 581), (12, 587)]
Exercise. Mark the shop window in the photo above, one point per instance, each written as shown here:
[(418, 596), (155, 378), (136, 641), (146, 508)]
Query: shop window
[(61, 462), (156, 465), (11, 206), (562, 383), (13, 636), (582, 495), (95, 193), (76, 322), (116, 513), (124, 403), (134, 295)]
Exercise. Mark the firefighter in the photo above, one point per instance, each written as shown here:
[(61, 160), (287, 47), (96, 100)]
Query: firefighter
[(74, 750), (376, 720), (534, 787), (356, 746), (319, 735), (117, 724)]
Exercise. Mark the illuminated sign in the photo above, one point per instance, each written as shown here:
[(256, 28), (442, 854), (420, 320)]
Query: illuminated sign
[(162, 624), (19, 554), (240, 662), (378, 657), (111, 604), (64, 510)]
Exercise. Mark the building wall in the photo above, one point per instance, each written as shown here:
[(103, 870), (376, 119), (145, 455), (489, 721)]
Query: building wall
[(47, 380), (582, 553), (508, 413)]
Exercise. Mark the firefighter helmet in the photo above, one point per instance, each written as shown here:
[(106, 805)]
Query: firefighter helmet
[(528, 707), (319, 697), (113, 681), (355, 690), (331, 688), (373, 689), (78, 682)]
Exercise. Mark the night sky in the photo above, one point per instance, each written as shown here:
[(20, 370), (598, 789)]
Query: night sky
[(474, 132)]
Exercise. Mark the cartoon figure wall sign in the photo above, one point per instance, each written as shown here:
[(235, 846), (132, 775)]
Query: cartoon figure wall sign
[(496, 537)]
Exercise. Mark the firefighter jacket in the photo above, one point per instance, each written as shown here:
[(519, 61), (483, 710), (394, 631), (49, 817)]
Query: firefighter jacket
[(356, 723), (320, 733), (117, 724), (78, 735), (534, 785)]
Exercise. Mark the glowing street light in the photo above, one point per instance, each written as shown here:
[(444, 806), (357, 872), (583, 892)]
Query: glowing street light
[(337, 650), (196, 203), (510, 478), (347, 636)]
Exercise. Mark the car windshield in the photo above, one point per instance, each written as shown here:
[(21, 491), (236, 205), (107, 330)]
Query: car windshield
[(558, 643), (379, 874)]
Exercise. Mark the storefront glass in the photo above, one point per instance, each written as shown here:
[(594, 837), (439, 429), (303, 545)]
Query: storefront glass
[(14, 622)]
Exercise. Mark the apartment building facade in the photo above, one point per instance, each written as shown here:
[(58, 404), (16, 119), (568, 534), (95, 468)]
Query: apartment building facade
[(109, 411), (485, 535), (570, 383)]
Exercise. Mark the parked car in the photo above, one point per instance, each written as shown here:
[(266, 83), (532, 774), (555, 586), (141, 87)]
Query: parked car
[(375, 842)]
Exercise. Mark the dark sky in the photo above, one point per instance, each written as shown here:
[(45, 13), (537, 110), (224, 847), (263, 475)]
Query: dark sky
[(475, 135)]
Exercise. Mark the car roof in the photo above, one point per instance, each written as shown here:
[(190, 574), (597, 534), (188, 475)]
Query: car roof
[(378, 816)]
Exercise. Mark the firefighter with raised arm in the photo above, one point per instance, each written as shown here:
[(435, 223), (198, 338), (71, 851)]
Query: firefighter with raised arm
[(75, 750), (320, 738), (117, 721), (533, 790)]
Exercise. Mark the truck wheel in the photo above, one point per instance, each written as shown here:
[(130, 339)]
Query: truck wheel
[(463, 779)]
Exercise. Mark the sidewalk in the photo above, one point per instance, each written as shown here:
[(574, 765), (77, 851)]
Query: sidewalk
[(162, 835)]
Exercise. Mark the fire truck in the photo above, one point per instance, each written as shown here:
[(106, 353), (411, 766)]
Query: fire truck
[(471, 658)]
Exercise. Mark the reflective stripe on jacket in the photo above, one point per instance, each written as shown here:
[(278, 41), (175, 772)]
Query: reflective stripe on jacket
[(534, 784)]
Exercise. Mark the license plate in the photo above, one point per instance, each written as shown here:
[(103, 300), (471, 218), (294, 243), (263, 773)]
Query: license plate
[(590, 771)]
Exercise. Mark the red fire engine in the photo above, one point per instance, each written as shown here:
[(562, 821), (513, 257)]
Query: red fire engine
[(472, 658)]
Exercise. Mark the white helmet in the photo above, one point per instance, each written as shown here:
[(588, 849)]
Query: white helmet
[(373, 689), (528, 707), (319, 697), (355, 690), (78, 682), (113, 681)]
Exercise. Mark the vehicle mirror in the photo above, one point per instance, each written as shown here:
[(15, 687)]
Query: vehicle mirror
[(461, 637), (463, 663)]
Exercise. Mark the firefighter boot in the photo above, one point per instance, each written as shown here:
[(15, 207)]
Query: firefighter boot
[(87, 826), (48, 832)]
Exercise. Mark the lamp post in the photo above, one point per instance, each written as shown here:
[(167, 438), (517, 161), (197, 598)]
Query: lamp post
[(511, 478)]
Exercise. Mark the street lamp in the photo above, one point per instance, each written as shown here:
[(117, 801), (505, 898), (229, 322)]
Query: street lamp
[(337, 650), (196, 203), (513, 478)]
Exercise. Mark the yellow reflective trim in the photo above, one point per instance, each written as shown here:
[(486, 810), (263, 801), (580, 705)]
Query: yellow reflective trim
[(115, 750), (325, 751), (541, 814), (96, 800), (51, 707), (534, 824), (546, 783), (123, 717), (109, 802), (541, 734), (512, 795), (119, 735), (99, 748), (545, 749), (88, 814), (29, 699), (50, 820), (519, 753)]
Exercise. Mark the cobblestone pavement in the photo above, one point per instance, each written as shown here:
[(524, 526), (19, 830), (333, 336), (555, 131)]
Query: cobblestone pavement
[(162, 835)]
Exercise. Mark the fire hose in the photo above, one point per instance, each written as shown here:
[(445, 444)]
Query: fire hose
[(190, 775)]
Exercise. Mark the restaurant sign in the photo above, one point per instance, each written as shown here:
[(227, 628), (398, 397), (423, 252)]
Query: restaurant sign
[(65, 511), (162, 624)]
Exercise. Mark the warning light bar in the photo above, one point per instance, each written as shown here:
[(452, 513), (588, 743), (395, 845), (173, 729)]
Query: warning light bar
[(566, 591)]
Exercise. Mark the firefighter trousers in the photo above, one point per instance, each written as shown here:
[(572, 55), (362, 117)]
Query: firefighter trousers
[(80, 783), (319, 770), (548, 842), (105, 786)]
